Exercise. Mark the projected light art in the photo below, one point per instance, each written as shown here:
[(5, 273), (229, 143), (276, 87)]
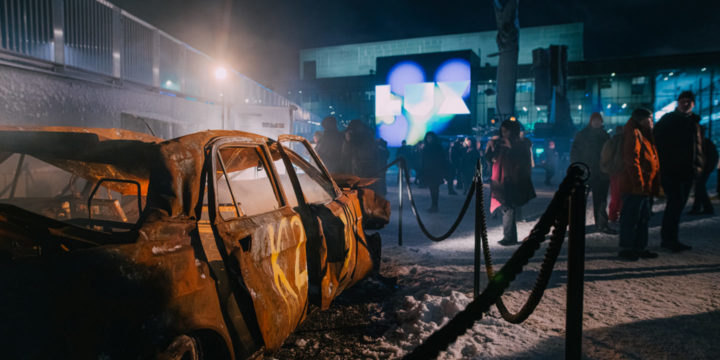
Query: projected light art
[(409, 106)]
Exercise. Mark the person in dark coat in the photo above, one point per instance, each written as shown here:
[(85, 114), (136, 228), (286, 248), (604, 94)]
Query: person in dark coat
[(702, 203), (586, 148), (638, 183), (679, 143), (359, 151), (434, 167), (550, 162), (455, 172), (406, 152), (469, 162), (381, 159), (329, 146), (510, 185)]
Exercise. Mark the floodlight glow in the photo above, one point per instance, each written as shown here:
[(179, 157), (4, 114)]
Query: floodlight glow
[(624, 106), (579, 107), (703, 69), (524, 108), (220, 73), (609, 106)]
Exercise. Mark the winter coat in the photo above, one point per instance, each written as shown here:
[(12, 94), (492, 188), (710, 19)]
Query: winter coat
[(329, 148), (586, 148), (359, 153), (510, 184), (469, 162), (434, 164), (678, 138), (611, 156), (640, 162)]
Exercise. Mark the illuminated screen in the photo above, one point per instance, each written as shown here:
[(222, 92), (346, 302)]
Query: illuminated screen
[(422, 93)]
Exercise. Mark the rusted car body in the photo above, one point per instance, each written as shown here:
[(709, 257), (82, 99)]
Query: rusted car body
[(115, 244)]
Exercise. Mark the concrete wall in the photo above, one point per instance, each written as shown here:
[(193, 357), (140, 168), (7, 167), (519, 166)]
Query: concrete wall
[(359, 59), (30, 97)]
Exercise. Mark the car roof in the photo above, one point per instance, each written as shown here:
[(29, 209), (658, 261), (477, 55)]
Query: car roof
[(168, 170)]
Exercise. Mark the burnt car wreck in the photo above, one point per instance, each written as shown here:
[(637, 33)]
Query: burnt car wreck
[(115, 244)]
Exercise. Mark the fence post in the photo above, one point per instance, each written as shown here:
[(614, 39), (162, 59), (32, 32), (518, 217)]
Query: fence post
[(58, 25), (117, 42), (156, 58), (478, 193), (576, 272), (401, 166)]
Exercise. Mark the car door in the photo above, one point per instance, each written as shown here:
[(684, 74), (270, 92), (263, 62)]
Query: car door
[(340, 256), (260, 238)]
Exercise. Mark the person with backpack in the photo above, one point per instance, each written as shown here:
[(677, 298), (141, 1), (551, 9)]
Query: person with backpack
[(611, 163)]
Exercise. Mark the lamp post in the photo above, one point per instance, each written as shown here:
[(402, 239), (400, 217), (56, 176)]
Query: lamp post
[(220, 75)]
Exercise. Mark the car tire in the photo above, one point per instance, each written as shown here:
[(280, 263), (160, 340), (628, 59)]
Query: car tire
[(182, 347)]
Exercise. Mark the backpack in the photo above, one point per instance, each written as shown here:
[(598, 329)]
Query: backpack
[(611, 156)]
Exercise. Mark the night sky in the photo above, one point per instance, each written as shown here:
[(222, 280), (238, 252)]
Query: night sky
[(261, 38)]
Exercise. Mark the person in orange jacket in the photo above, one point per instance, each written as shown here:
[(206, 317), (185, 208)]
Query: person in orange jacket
[(639, 181)]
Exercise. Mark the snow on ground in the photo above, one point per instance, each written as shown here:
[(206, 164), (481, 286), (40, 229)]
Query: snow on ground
[(664, 308)]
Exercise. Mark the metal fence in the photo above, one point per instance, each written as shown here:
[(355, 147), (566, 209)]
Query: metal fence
[(98, 37), (26, 28)]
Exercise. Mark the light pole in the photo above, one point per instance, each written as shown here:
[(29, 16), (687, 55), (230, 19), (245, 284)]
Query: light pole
[(220, 75)]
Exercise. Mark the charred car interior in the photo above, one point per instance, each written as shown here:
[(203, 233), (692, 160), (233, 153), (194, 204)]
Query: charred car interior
[(212, 245)]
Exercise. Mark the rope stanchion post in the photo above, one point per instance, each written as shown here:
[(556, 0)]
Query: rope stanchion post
[(401, 168), (576, 272), (478, 227)]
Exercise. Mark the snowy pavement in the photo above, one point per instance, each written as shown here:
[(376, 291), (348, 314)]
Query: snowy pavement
[(664, 308)]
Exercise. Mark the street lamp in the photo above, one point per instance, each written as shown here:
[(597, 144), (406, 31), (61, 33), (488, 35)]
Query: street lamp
[(220, 75)]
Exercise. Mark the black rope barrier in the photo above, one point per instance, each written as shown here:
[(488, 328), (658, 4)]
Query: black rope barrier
[(402, 165), (500, 281)]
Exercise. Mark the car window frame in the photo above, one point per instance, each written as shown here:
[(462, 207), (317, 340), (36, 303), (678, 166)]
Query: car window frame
[(323, 169), (214, 146)]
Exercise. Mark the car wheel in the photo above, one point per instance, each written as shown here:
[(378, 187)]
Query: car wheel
[(182, 348)]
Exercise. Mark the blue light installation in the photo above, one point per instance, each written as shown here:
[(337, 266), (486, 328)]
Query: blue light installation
[(454, 70), (409, 106), (405, 73)]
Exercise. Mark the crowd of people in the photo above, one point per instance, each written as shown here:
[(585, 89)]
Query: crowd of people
[(355, 151), (634, 166), (641, 161)]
